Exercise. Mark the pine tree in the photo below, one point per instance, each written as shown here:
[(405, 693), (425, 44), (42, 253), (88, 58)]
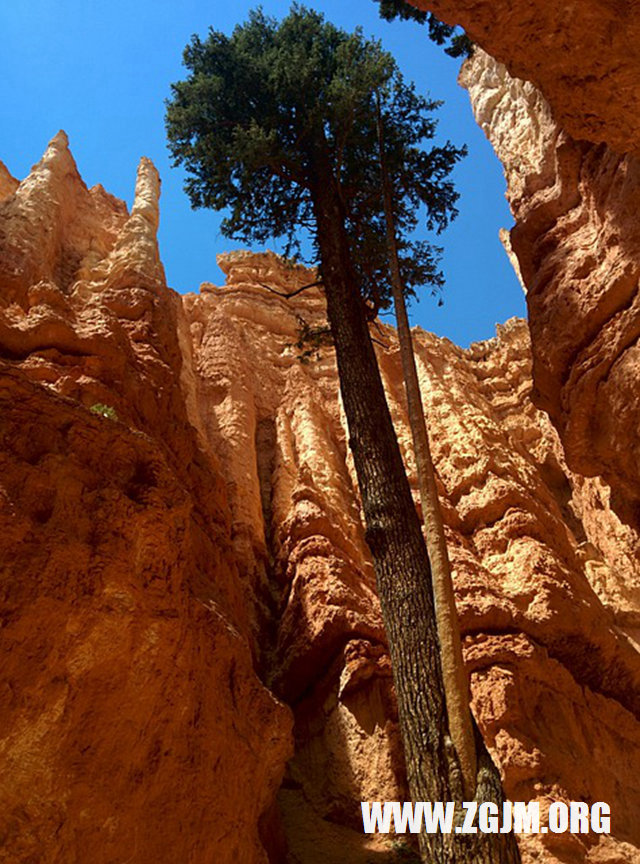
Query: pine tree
[(458, 43), (272, 123), (456, 685)]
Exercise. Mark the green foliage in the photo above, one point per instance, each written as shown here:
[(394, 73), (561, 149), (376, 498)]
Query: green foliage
[(459, 44), (104, 411), (404, 854), (422, 191), (245, 119), (311, 340), (256, 109)]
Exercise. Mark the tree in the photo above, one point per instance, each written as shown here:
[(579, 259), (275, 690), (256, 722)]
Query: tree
[(459, 44), (456, 685), (390, 266), (421, 184), (269, 123)]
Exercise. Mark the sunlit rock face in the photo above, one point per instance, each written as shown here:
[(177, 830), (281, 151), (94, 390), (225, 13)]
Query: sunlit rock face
[(134, 727), (546, 574), (577, 241), (184, 571), (583, 55), (559, 98), (8, 184)]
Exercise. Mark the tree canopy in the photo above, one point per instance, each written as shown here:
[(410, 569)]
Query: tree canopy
[(278, 124), (457, 42), (244, 124)]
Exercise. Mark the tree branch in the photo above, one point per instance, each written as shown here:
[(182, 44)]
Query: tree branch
[(289, 294), (378, 342), (378, 327)]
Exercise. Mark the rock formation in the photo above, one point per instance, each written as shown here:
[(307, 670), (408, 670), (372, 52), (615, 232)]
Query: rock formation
[(187, 598), (567, 134), (133, 723), (530, 571), (8, 184), (583, 56), (576, 240)]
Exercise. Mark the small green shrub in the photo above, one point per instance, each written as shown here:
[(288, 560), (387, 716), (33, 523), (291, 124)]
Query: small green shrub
[(311, 340), (399, 853), (403, 853), (104, 411)]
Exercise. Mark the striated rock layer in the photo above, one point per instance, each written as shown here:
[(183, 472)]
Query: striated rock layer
[(583, 55), (134, 727), (577, 242), (184, 569), (558, 97), (541, 565)]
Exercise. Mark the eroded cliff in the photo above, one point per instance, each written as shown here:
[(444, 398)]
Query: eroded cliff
[(133, 723), (549, 642), (576, 239), (583, 56), (557, 95), (185, 573)]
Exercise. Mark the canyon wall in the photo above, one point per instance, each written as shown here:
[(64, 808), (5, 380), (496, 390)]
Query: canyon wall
[(541, 562), (567, 135), (577, 242), (195, 664), (583, 56), (133, 722)]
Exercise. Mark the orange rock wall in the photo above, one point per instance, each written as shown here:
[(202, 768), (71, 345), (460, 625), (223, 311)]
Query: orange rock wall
[(178, 571), (134, 727), (583, 56), (558, 97), (541, 562), (576, 239)]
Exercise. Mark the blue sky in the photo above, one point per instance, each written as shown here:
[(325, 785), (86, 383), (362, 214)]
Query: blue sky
[(101, 71)]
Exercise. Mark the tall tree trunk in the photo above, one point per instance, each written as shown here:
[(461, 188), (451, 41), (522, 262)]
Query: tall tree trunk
[(397, 546), (456, 684)]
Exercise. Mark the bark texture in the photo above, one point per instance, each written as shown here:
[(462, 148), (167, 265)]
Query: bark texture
[(456, 683), (394, 536)]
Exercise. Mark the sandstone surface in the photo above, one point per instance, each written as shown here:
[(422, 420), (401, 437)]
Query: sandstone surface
[(577, 242), (134, 727), (8, 184), (184, 569), (583, 56), (546, 636)]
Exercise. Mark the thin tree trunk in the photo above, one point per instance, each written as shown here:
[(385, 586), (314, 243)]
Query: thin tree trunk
[(397, 546), (456, 684)]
